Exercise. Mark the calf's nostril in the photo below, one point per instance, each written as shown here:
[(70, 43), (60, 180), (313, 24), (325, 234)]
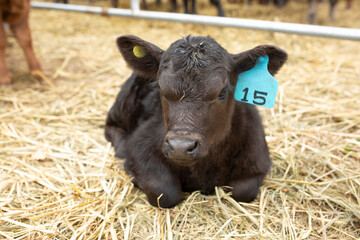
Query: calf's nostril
[(168, 147), (193, 147)]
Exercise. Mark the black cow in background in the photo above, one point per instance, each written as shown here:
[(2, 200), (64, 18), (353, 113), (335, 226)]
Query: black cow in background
[(174, 5), (216, 3), (277, 3), (178, 126)]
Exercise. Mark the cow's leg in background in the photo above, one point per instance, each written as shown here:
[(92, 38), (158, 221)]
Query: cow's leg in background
[(114, 3), (23, 35), (280, 3), (144, 4), (217, 3), (4, 70), (312, 10), (349, 4), (186, 10), (193, 7), (332, 9), (173, 6), (186, 6)]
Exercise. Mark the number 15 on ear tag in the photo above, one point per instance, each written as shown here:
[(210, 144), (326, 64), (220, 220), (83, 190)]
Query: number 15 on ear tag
[(257, 86)]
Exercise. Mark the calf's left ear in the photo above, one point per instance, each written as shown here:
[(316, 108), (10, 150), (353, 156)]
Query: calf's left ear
[(141, 56), (246, 60)]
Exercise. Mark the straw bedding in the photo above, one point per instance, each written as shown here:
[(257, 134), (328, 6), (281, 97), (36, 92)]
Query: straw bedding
[(59, 177)]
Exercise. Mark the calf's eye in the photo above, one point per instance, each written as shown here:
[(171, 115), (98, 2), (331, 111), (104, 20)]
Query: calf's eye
[(223, 94)]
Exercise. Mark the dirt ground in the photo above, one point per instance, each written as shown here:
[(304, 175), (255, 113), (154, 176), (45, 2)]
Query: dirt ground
[(59, 177)]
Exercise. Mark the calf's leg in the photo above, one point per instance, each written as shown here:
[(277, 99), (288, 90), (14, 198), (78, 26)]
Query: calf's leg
[(23, 35), (162, 188), (4, 71), (246, 189), (116, 136)]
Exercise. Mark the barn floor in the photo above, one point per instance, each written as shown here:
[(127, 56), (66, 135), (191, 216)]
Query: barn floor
[(59, 177)]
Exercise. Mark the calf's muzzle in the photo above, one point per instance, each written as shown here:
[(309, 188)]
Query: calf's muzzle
[(183, 147)]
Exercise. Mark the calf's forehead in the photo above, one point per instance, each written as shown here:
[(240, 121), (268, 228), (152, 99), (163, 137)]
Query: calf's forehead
[(194, 62), (194, 53)]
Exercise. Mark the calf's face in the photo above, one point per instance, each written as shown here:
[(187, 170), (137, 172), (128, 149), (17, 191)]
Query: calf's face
[(196, 96), (196, 79)]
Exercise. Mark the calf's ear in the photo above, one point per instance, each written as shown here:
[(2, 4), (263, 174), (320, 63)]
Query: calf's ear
[(141, 56), (246, 60)]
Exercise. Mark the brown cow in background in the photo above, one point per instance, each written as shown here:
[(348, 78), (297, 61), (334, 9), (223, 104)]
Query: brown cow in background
[(16, 14)]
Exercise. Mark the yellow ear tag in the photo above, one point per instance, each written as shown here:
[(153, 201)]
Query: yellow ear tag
[(139, 51)]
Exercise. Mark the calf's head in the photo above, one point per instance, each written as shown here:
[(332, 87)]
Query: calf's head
[(196, 78)]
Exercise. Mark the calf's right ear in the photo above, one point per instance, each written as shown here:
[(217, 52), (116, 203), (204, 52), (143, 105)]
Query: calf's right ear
[(141, 56), (246, 60)]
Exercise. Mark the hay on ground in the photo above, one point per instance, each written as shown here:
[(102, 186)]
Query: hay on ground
[(59, 178)]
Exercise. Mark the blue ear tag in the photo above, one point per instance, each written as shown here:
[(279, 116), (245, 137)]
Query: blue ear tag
[(257, 86)]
